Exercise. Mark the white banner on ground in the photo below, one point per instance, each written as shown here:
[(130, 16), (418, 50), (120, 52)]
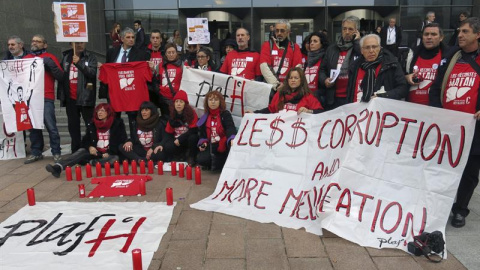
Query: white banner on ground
[(240, 94), (12, 145), (22, 93), (70, 21), (74, 235), (375, 174)]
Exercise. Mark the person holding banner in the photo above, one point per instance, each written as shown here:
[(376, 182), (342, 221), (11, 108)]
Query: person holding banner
[(217, 130), (15, 49), (145, 144), (457, 88), (171, 75), (294, 96), (102, 142), (78, 89), (376, 73), (53, 71), (182, 131)]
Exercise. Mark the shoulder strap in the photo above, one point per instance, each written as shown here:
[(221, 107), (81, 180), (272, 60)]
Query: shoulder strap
[(452, 63), (472, 63), (280, 65), (169, 83)]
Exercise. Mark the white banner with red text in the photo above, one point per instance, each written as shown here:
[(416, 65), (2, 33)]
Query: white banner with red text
[(12, 145), (22, 93), (75, 235), (376, 174), (240, 94)]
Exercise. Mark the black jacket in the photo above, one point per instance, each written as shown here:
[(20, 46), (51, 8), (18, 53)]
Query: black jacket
[(118, 136), (436, 98), (390, 76), (9, 55), (158, 135), (87, 73), (227, 123), (329, 62)]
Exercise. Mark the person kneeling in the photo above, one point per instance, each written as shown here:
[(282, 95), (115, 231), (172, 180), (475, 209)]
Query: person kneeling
[(216, 132), (146, 143), (181, 130), (98, 144)]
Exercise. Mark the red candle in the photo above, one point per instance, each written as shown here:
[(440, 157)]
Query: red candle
[(31, 196), (98, 169), (125, 167), (108, 167), (68, 173), (189, 172), (150, 166), (143, 189), (134, 167), (116, 167), (142, 167), (181, 170), (169, 193), (88, 168), (137, 259), (160, 167), (81, 190), (174, 167), (78, 173), (198, 175)]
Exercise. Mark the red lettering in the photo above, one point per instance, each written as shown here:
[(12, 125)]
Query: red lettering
[(239, 142), (402, 137), (259, 193), (338, 121), (297, 126), (255, 130), (384, 125), (340, 203), (235, 96), (348, 128), (417, 142), (226, 186), (446, 142), (425, 138), (360, 134), (399, 217), (274, 127), (326, 193), (367, 128), (362, 205), (409, 218), (297, 198), (320, 134), (374, 221), (248, 189)]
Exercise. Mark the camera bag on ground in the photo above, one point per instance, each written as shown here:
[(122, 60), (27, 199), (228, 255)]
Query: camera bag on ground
[(428, 244)]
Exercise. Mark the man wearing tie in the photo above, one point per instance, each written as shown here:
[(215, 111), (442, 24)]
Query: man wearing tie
[(391, 37)]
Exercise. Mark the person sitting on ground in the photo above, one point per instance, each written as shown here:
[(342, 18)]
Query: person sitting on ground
[(182, 130), (217, 130), (145, 144), (98, 143), (294, 96)]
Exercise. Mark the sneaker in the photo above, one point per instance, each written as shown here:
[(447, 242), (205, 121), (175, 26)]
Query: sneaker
[(55, 170), (57, 158), (33, 158), (458, 220)]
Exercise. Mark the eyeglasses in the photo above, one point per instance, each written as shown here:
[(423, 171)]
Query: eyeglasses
[(370, 48), (280, 30), (201, 56)]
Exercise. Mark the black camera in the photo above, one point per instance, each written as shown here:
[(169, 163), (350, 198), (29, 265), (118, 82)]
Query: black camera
[(426, 243)]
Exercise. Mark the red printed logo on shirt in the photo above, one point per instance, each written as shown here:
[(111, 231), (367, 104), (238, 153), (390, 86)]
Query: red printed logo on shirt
[(459, 85), (290, 107), (276, 63), (126, 80), (238, 66), (172, 73)]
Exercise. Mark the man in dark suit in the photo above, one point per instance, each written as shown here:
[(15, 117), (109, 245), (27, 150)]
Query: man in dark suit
[(391, 37), (140, 35), (123, 54)]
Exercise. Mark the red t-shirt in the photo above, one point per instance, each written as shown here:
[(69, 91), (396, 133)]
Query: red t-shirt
[(357, 96), (461, 93), (72, 76), (274, 56), (127, 84), (243, 64), (428, 71), (308, 101), (311, 73), (49, 79), (21, 112), (342, 79), (156, 58), (175, 76), (182, 129)]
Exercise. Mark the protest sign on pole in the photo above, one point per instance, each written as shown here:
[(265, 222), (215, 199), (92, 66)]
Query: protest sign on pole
[(70, 21), (22, 95), (75, 235), (240, 94), (375, 174), (197, 31)]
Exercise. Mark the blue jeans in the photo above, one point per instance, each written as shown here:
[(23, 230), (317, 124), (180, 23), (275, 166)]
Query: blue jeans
[(50, 121)]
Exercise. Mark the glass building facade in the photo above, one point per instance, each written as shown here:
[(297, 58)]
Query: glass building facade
[(306, 15)]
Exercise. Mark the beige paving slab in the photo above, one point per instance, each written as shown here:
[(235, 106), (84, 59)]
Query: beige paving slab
[(386, 252), (301, 244), (342, 251), (223, 264), (184, 255), (8, 179), (266, 254), (13, 191), (450, 263), (219, 218), (192, 224), (396, 263), (162, 248), (262, 230), (196, 194), (226, 241), (310, 264), (154, 265)]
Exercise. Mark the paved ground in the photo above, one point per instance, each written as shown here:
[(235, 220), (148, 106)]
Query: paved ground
[(206, 240)]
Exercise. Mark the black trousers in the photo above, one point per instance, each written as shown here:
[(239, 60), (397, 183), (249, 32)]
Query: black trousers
[(74, 112), (139, 153), (468, 183), (82, 156), (132, 121), (212, 158), (187, 150)]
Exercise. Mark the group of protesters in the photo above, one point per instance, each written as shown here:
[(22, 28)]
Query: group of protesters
[(313, 78)]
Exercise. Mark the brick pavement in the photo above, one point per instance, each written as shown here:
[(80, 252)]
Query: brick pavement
[(206, 240)]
